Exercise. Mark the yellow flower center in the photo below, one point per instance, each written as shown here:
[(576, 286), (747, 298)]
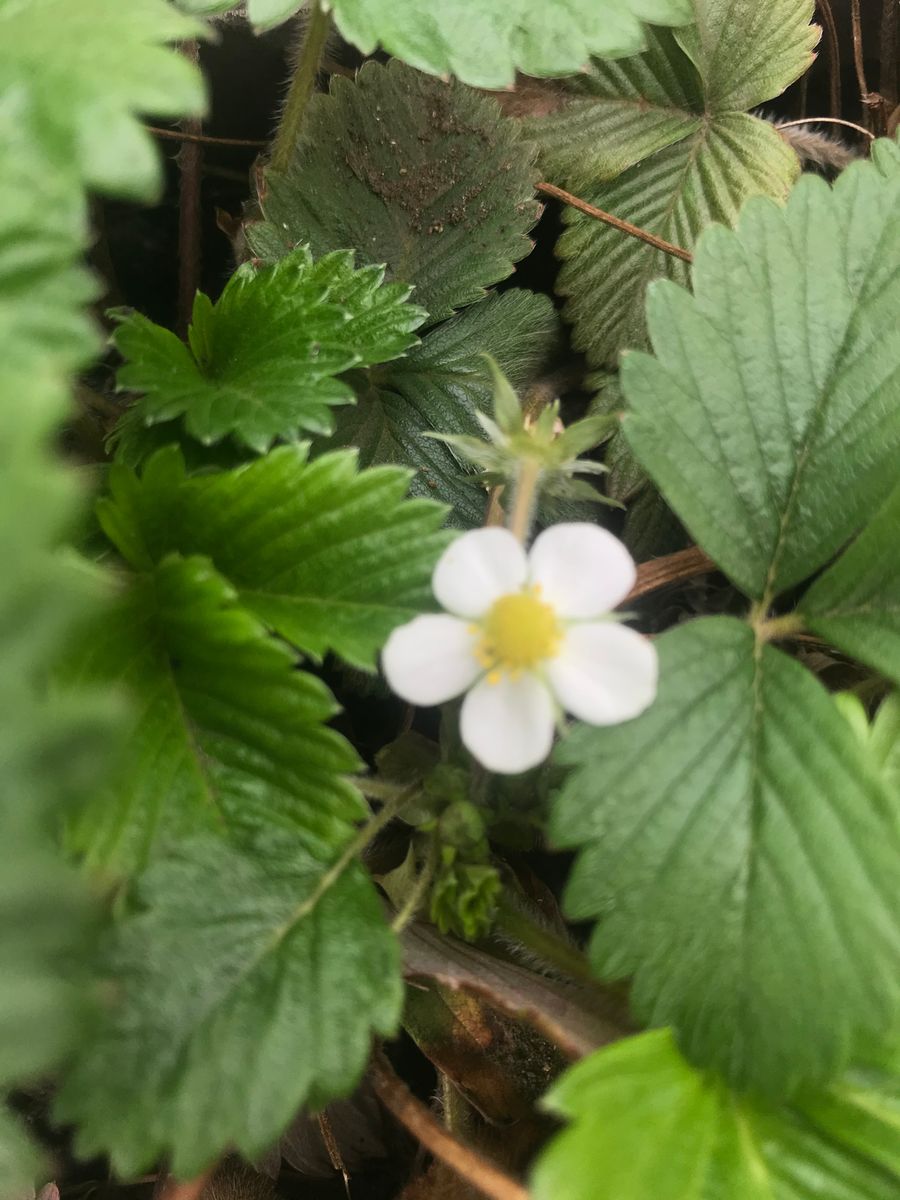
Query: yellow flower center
[(519, 631)]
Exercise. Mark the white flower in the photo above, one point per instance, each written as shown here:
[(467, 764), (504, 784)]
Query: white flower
[(524, 634)]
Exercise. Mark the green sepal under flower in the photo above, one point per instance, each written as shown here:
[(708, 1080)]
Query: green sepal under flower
[(515, 437)]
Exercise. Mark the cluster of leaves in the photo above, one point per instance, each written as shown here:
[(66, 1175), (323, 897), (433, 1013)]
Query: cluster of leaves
[(739, 842), (737, 845)]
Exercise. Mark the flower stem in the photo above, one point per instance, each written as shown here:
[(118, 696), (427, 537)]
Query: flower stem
[(525, 499), (302, 85)]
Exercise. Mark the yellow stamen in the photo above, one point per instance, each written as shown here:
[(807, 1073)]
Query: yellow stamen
[(519, 632)]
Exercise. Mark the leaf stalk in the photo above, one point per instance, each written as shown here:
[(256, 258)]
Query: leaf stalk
[(303, 83)]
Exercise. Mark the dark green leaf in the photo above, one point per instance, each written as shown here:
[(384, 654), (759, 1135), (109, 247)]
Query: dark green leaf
[(856, 604), (87, 69), (740, 852), (440, 385), (659, 1128), (230, 736), (770, 418), (251, 985), (263, 362), (331, 557), (423, 175)]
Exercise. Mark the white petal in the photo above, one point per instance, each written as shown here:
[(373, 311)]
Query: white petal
[(605, 673), (431, 659), (477, 569), (583, 570), (508, 725)]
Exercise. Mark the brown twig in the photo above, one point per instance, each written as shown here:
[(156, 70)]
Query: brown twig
[(671, 568), (414, 1116), (874, 108), (888, 82), (827, 121), (203, 139), (190, 166), (658, 243), (833, 47), (858, 61)]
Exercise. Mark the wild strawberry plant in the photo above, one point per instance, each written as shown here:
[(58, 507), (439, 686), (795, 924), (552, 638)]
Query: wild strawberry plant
[(320, 740)]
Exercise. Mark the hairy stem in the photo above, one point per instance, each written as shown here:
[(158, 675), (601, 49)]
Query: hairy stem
[(671, 568), (524, 499), (414, 1116), (302, 86), (541, 942)]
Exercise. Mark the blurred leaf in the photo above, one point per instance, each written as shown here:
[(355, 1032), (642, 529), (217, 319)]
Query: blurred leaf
[(330, 557), (263, 362), (770, 418), (87, 69), (483, 42), (43, 231), (423, 175), (230, 736), (742, 871), (660, 1128), (252, 984)]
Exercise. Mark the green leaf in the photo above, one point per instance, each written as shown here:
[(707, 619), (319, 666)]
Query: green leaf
[(618, 113), (440, 386), (745, 52), (87, 69), (855, 605), (862, 1109), (49, 750), (229, 737), (674, 194), (770, 416), (659, 1128), (423, 175), (483, 44), (263, 362), (742, 871), (330, 557), (42, 238), (251, 985), (662, 142)]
